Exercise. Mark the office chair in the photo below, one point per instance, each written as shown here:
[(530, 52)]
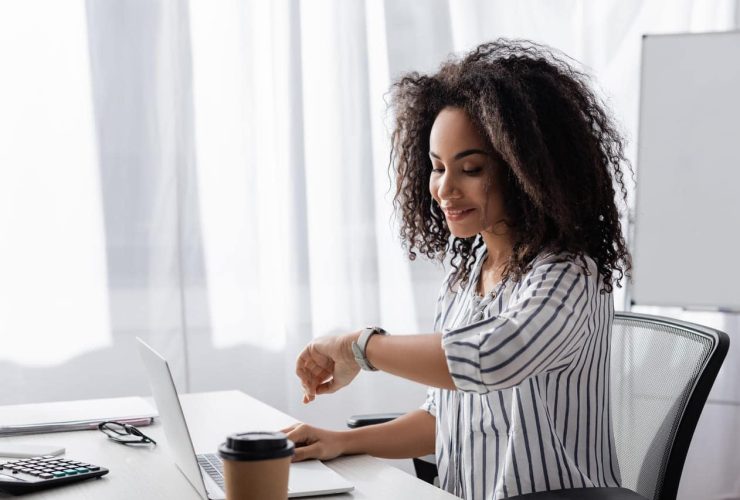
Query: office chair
[(661, 372)]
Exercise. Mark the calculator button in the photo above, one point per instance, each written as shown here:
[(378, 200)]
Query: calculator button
[(93, 467), (82, 470), (70, 472), (46, 475), (59, 474)]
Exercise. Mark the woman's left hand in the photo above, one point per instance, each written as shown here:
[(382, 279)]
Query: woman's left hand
[(326, 365)]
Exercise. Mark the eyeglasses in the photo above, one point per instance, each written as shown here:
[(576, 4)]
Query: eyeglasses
[(124, 433)]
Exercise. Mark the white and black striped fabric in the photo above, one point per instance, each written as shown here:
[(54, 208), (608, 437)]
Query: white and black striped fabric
[(531, 366)]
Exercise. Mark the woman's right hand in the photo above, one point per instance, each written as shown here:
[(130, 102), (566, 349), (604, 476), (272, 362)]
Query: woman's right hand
[(314, 443)]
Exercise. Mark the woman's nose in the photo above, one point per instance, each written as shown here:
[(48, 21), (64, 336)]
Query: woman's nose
[(447, 187)]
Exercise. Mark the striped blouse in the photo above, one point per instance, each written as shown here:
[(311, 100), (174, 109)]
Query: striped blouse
[(531, 365)]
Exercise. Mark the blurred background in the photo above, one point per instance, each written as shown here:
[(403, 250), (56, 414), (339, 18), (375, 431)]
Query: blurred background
[(212, 176)]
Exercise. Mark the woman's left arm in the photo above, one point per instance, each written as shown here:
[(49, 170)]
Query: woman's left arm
[(414, 357), (327, 363), (540, 330)]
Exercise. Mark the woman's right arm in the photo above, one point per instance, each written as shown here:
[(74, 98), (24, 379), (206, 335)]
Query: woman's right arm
[(411, 435)]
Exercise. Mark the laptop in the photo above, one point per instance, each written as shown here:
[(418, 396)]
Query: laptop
[(205, 471)]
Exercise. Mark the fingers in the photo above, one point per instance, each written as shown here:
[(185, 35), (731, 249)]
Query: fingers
[(298, 433), (313, 369), (313, 357), (309, 385), (327, 387), (306, 445), (318, 371), (290, 428), (322, 368), (307, 452), (311, 442), (314, 352), (315, 374)]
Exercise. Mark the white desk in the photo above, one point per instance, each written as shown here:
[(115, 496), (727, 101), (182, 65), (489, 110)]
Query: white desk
[(149, 473)]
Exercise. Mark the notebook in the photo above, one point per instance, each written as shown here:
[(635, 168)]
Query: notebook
[(205, 472), (63, 416)]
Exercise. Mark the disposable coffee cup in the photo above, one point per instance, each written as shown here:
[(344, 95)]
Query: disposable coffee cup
[(256, 465)]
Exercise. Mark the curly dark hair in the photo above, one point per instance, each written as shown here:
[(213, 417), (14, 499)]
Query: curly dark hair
[(562, 153)]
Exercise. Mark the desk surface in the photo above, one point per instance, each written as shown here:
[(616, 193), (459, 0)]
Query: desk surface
[(145, 473)]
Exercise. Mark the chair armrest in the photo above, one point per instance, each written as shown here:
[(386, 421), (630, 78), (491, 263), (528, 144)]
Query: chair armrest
[(376, 418), (583, 494)]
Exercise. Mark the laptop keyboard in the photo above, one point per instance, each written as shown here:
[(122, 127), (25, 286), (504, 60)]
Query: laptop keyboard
[(211, 463)]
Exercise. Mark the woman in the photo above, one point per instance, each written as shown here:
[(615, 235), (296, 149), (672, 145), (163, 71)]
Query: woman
[(506, 163)]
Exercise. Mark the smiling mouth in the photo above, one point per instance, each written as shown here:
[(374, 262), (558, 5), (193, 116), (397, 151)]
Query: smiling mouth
[(457, 214)]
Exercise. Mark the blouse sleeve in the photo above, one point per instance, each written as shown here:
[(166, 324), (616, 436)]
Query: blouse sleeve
[(430, 405), (539, 330)]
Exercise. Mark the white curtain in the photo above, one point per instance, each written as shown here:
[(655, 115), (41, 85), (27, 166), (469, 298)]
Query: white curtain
[(212, 176), (50, 236)]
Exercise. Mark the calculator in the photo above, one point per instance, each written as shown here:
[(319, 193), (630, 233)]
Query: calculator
[(33, 474)]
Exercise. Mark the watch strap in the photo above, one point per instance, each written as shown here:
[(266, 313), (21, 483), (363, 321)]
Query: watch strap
[(359, 348)]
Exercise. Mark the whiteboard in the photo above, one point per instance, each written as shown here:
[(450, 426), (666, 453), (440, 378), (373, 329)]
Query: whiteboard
[(686, 241)]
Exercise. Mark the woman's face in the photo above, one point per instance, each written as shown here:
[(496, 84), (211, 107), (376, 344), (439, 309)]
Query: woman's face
[(465, 178)]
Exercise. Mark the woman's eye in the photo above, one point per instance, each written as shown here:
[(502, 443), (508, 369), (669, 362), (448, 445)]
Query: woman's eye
[(473, 171), (438, 170)]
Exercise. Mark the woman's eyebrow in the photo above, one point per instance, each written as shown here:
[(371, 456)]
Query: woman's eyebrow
[(462, 154)]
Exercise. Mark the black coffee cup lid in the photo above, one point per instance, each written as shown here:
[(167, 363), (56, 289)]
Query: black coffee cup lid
[(256, 446)]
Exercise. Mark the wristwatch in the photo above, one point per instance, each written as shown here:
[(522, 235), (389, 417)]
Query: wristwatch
[(358, 348)]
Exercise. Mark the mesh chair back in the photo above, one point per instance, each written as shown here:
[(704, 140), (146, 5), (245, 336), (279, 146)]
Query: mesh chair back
[(661, 373)]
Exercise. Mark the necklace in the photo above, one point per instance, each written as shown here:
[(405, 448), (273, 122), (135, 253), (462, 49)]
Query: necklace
[(492, 293)]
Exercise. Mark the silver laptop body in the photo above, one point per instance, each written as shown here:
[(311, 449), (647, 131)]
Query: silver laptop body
[(205, 472)]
